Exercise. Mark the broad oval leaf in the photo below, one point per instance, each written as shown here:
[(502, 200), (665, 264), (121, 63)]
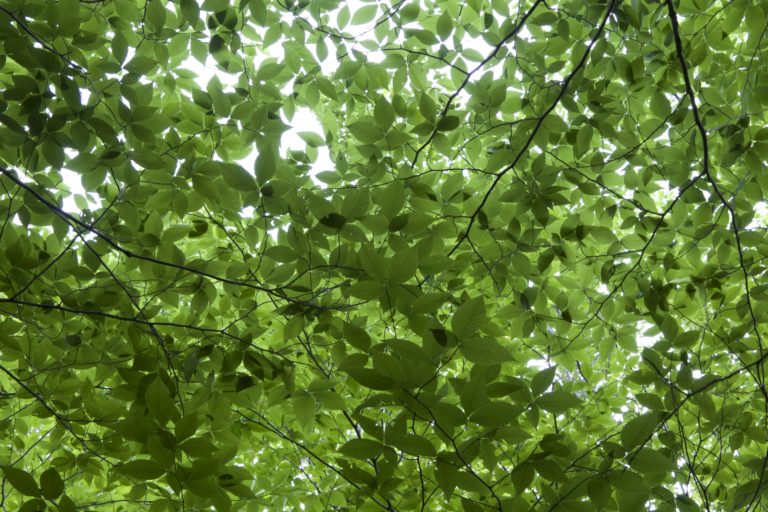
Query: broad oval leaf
[(366, 132), (485, 351), (639, 429), (361, 448), (542, 380), (51, 484), (415, 445), (558, 401), (468, 318), (142, 469), (21, 481)]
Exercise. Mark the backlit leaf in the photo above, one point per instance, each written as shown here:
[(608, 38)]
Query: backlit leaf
[(329, 255), (468, 318), (238, 178), (21, 481), (485, 351), (366, 132), (361, 448), (142, 469), (51, 484), (638, 430), (558, 401), (542, 380)]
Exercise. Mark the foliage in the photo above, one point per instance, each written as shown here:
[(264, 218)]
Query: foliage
[(534, 278)]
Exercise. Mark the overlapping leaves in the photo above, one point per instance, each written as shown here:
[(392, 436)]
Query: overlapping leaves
[(529, 275)]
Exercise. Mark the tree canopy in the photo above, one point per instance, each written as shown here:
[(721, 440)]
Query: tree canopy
[(520, 266)]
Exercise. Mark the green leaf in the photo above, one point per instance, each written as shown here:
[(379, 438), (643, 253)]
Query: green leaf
[(444, 25), (495, 414), (51, 484), (357, 336), (304, 408), (402, 266), (312, 139), (485, 351), (21, 481), (468, 318), (649, 461), (424, 36), (371, 378), (239, 234), (69, 17), (558, 401), (366, 290), (638, 430), (448, 123), (160, 401), (409, 12), (542, 380), (331, 400), (366, 132), (660, 105), (599, 491), (550, 470), (414, 445), (383, 113), (391, 199), (142, 469), (583, 139), (53, 153), (361, 448), (216, 44), (333, 220), (185, 427), (238, 178), (266, 165), (686, 504), (155, 15), (141, 65), (191, 10), (364, 14), (119, 47), (268, 71), (427, 107)]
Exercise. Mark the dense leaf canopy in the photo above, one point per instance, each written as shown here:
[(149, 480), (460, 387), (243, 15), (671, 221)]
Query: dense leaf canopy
[(520, 265)]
